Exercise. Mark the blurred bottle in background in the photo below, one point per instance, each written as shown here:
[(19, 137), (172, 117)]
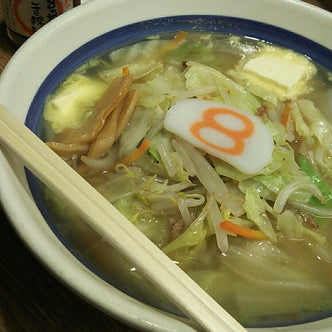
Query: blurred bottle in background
[(24, 17)]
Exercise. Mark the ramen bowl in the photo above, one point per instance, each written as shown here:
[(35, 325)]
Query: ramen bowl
[(72, 39)]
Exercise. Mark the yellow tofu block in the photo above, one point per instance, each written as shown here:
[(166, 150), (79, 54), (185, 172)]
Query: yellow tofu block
[(73, 101), (286, 74), (282, 72)]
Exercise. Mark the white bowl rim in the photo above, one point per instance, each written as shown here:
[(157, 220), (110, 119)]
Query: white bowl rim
[(36, 233)]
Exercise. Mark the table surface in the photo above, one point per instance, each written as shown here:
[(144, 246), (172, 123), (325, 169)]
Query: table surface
[(31, 299)]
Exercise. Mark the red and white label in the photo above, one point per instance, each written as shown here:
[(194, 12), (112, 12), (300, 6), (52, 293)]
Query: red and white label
[(26, 17)]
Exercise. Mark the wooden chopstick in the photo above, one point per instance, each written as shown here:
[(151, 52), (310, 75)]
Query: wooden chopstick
[(113, 226)]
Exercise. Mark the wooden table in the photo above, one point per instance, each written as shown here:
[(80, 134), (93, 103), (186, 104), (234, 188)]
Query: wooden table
[(31, 299)]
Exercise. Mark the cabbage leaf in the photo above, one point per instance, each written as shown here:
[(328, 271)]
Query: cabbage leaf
[(256, 212), (199, 76), (292, 226), (310, 123)]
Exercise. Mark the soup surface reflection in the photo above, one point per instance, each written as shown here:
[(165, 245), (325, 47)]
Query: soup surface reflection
[(219, 149)]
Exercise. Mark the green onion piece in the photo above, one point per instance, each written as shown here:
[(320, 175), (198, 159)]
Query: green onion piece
[(316, 178)]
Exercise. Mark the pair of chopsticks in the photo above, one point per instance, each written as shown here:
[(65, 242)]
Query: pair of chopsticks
[(113, 226)]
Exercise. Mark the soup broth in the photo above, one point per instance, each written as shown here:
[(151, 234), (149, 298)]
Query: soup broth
[(251, 225)]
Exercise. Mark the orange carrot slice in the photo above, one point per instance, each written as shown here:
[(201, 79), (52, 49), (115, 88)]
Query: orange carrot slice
[(174, 43), (137, 153), (242, 231), (285, 116)]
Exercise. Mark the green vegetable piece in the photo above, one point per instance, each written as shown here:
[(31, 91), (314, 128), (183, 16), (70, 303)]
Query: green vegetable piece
[(315, 177)]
